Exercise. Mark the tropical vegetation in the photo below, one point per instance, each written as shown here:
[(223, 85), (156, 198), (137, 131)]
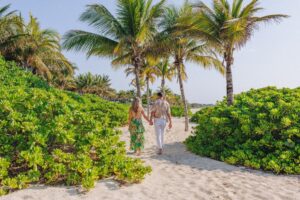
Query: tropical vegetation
[(56, 130), (35, 49), (178, 111), (228, 27), (126, 37), (181, 47), (94, 84), (193, 33), (165, 70), (260, 130), (52, 136)]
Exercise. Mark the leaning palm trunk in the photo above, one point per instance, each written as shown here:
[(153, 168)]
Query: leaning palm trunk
[(148, 97), (229, 83), (179, 72)]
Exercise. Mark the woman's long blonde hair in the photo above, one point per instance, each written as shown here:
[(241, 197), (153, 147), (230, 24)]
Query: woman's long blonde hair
[(136, 105)]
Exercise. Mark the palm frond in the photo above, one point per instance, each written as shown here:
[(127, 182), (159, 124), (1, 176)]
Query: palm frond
[(269, 18), (92, 43), (4, 11), (102, 20), (207, 62)]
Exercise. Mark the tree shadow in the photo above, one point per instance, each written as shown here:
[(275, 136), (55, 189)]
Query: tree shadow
[(176, 153)]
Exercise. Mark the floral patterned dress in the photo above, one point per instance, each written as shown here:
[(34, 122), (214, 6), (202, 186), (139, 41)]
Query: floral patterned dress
[(136, 129)]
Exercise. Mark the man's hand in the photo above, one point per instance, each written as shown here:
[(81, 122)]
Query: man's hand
[(151, 123), (170, 125)]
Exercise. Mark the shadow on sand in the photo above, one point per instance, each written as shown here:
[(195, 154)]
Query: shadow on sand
[(176, 153)]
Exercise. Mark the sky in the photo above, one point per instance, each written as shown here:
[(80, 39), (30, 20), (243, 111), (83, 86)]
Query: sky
[(270, 58)]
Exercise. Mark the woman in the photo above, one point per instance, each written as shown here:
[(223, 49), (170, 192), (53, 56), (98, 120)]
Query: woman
[(136, 128)]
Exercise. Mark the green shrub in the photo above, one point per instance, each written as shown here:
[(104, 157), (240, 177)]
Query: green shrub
[(261, 130), (196, 116), (178, 111), (56, 137)]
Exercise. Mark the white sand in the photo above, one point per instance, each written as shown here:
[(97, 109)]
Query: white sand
[(178, 174)]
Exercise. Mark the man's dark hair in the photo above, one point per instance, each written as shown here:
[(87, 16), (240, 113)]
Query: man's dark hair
[(160, 94)]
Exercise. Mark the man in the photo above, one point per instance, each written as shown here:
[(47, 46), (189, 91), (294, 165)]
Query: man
[(161, 114)]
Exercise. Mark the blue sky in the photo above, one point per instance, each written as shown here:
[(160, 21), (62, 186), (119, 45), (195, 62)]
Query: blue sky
[(270, 58)]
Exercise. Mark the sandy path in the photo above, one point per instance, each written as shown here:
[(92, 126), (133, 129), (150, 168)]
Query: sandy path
[(179, 174)]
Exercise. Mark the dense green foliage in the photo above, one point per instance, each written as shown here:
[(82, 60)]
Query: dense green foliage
[(52, 136), (196, 116), (261, 130), (178, 111)]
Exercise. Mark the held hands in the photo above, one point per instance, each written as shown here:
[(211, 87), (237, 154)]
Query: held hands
[(151, 123)]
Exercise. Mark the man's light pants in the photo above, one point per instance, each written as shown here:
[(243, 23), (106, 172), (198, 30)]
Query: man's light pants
[(160, 125)]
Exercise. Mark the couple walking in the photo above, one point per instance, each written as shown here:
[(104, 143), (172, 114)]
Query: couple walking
[(160, 116)]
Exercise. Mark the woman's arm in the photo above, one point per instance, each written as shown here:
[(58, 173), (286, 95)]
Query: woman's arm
[(145, 116), (129, 117)]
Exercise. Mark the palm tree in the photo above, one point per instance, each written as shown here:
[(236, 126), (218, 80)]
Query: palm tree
[(149, 73), (166, 71), (230, 27), (182, 47), (125, 37), (130, 70), (94, 84), (35, 49)]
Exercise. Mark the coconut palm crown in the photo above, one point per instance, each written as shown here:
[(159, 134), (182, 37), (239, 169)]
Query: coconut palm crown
[(124, 37), (179, 45)]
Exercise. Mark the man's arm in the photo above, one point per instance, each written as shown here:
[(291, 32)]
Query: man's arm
[(169, 115), (152, 114), (151, 118)]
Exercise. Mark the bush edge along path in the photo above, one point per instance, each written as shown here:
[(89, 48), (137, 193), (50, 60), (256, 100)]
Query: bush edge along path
[(261, 130), (56, 137)]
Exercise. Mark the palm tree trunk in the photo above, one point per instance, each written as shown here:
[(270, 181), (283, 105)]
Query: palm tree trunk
[(148, 97), (137, 68), (229, 82), (178, 64), (163, 82)]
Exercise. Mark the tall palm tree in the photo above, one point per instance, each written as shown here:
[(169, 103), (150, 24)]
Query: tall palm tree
[(229, 27), (183, 48), (125, 37), (35, 49), (94, 84), (166, 71)]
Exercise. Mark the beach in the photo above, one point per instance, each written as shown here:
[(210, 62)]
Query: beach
[(177, 175)]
